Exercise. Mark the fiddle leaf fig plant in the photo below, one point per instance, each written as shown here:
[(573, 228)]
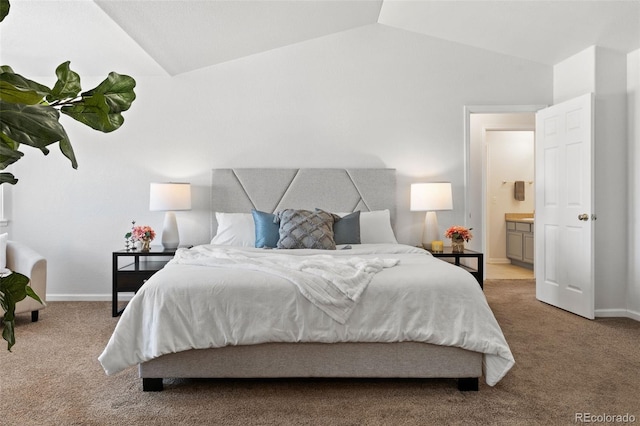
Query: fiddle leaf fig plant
[(30, 116), (30, 111), (13, 288)]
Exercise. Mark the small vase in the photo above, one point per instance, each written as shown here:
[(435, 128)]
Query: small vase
[(146, 245), (457, 245)]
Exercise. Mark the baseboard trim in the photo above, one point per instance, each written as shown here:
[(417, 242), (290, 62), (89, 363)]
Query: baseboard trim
[(634, 315), (617, 313), (125, 297)]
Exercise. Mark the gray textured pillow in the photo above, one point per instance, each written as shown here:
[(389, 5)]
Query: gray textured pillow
[(306, 229)]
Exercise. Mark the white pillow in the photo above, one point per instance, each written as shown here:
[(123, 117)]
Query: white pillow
[(235, 229), (375, 227), (3, 250)]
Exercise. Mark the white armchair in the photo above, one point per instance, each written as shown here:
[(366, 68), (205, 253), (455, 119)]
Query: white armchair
[(26, 261)]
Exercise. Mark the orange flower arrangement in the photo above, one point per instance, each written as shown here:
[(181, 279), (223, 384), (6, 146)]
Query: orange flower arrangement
[(459, 232)]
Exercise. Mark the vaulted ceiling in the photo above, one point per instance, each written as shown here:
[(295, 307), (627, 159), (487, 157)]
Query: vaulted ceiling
[(186, 35), (179, 36)]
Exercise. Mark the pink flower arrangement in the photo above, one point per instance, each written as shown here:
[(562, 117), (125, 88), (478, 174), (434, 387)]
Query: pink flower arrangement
[(143, 233), (456, 232)]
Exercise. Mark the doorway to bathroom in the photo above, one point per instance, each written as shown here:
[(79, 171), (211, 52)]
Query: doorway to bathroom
[(501, 144), (509, 206)]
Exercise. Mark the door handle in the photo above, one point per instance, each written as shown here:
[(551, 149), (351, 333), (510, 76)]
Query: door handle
[(583, 216)]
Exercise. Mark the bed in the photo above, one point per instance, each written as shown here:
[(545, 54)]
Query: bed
[(372, 309)]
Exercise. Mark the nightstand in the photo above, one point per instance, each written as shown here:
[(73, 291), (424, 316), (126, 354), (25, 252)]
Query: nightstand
[(131, 268), (478, 273)]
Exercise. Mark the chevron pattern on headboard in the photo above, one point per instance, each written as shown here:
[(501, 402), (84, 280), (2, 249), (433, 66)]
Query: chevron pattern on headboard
[(272, 189)]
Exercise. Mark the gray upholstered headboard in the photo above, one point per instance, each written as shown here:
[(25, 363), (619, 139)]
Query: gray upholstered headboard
[(270, 190)]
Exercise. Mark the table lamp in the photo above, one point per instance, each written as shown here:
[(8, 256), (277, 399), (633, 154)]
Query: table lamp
[(170, 197), (431, 197)]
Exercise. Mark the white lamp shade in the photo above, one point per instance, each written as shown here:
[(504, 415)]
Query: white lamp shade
[(170, 196), (431, 196)]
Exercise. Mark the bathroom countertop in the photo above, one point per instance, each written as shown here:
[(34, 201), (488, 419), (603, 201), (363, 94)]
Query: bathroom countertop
[(519, 217)]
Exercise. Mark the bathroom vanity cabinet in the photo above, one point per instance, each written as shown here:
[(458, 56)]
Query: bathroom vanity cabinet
[(520, 247)]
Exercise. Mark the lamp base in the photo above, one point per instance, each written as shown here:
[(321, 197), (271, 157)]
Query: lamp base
[(430, 231), (170, 236)]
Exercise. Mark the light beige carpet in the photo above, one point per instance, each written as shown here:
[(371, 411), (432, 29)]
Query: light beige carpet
[(565, 365)]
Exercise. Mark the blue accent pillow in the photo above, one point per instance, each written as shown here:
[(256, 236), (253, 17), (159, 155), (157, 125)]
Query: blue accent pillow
[(347, 229), (267, 230)]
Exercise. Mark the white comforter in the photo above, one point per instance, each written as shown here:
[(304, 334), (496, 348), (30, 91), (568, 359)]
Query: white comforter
[(194, 306), (334, 284)]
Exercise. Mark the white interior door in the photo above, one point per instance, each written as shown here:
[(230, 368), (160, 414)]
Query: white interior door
[(564, 201)]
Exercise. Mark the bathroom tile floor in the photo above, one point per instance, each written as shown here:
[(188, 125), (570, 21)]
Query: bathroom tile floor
[(502, 271)]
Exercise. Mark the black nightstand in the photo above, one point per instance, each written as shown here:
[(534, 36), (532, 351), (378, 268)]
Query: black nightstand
[(137, 269), (477, 273)]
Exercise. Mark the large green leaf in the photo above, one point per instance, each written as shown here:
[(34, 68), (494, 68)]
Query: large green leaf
[(17, 89), (8, 332), (8, 178), (8, 154), (95, 113), (67, 150), (8, 141), (4, 9), (33, 125), (13, 288), (68, 84), (117, 90), (100, 108), (32, 294)]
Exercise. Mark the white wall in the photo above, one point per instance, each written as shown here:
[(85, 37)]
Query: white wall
[(603, 72), (611, 180), (370, 97), (575, 76), (510, 157), (633, 92)]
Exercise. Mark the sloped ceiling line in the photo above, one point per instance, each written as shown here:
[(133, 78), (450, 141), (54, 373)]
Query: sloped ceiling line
[(183, 36)]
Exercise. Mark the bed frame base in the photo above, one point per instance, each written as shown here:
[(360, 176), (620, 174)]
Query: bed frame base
[(149, 384), (152, 384), (326, 360), (465, 384)]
